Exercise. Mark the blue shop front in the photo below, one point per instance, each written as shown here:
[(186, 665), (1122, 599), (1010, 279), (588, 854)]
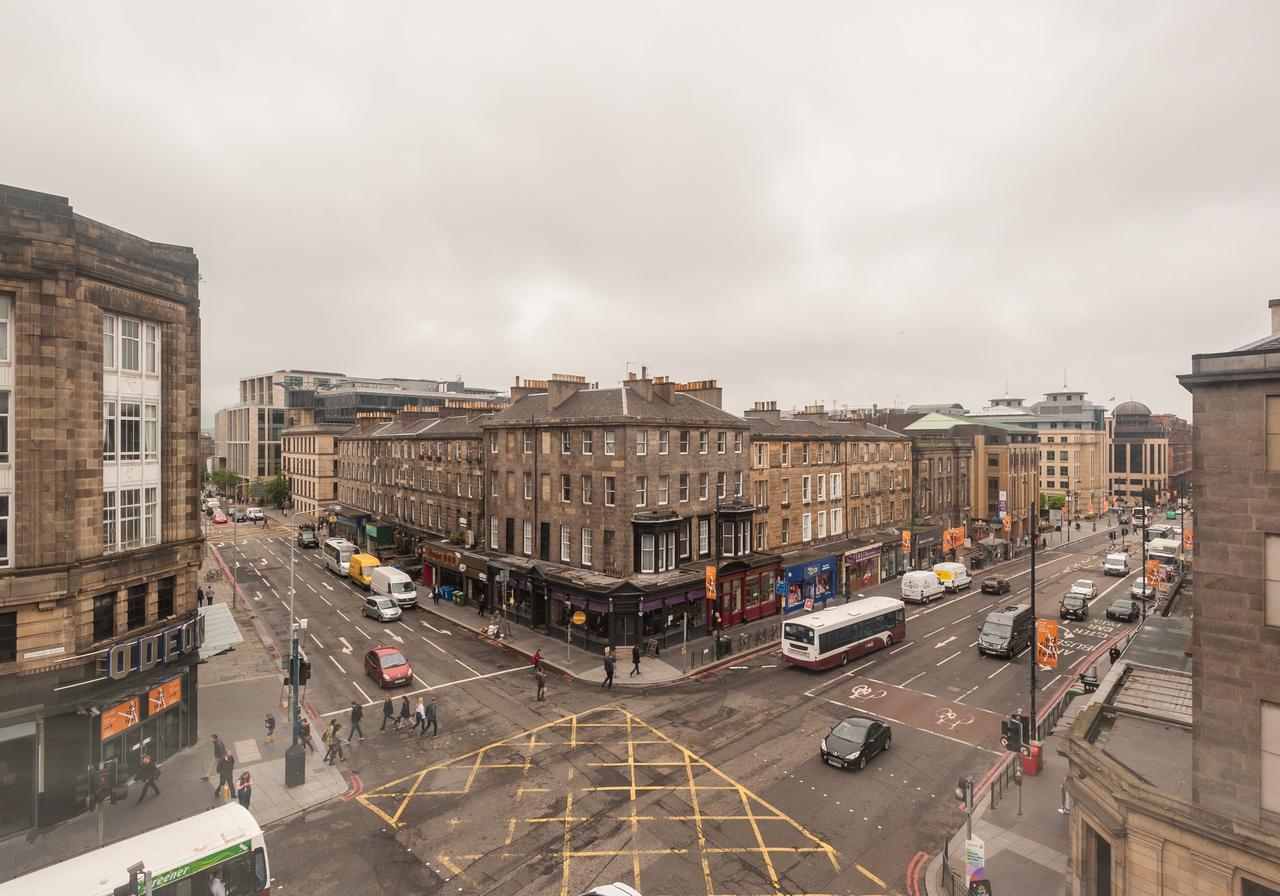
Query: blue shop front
[(810, 584)]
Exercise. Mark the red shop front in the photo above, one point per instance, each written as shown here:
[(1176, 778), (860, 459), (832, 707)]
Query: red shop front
[(746, 591)]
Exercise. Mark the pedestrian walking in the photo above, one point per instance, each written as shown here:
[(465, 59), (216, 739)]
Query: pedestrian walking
[(419, 716), (270, 722), (226, 771), (435, 595), (635, 660), (304, 733), (429, 718), (608, 673), (388, 711), (219, 750), (244, 791), (147, 774), (541, 678), (333, 741), (536, 659), (405, 713), (357, 713)]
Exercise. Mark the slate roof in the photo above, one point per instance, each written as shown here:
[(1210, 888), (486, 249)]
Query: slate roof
[(946, 423), (809, 428), (613, 406), (422, 428)]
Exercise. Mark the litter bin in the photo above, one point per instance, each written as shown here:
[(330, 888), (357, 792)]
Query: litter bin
[(724, 647), (1031, 760), (446, 591)]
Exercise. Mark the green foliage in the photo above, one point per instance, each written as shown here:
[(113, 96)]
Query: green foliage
[(1052, 502), (1149, 497), (224, 480), (276, 491)]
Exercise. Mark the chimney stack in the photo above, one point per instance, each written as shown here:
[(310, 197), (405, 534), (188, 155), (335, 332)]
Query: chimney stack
[(664, 388), (563, 386), (1274, 304), (703, 390), (529, 387), (765, 410), (641, 386)]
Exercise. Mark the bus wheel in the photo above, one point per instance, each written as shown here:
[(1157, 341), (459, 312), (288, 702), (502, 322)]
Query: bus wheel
[(888, 640), (844, 658)]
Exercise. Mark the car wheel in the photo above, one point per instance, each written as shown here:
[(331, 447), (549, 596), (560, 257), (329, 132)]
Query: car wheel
[(888, 739), (862, 761), (844, 658)]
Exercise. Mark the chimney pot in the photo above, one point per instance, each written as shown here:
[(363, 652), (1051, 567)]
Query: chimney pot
[(1274, 304)]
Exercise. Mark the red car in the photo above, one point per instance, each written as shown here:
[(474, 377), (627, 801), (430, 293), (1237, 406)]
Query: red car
[(219, 518), (388, 667)]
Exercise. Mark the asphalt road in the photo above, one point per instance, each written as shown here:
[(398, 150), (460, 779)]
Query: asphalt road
[(709, 785)]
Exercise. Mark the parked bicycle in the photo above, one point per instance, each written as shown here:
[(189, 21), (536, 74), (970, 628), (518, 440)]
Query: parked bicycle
[(213, 575)]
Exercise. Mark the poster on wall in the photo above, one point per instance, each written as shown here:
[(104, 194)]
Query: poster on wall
[(120, 717)]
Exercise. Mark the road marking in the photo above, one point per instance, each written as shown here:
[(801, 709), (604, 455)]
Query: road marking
[(257, 595), (449, 684), (1003, 666), (313, 591), (438, 631), (317, 640), (954, 740), (896, 649), (405, 627), (336, 663), (974, 644), (965, 694), (944, 643), (346, 645), (465, 666), (825, 685), (363, 632), (911, 679), (1046, 685), (325, 599), (963, 618), (878, 882), (434, 644), (393, 636), (935, 631), (953, 656)]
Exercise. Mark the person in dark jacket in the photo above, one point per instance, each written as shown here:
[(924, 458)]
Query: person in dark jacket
[(430, 719), (540, 677), (245, 791), (357, 713), (388, 711), (226, 771), (147, 774), (608, 673), (304, 733), (635, 660), (405, 713)]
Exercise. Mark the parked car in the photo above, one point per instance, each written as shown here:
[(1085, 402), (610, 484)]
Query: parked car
[(1124, 609), (1085, 588), (383, 609), (254, 514), (307, 537), (995, 585), (388, 667), (854, 741), (240, 515), (953, 576), (1139, 590), (921, 585), (219, 518), (1074, 606)]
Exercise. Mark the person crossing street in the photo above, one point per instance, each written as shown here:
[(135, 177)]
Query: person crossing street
[(388, 711), (429, 718), (357, 713), (635, 660), (608, 673), (541, 678), (147, 774)]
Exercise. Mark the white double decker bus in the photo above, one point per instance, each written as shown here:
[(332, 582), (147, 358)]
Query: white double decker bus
[(836, 635), (184, 859)]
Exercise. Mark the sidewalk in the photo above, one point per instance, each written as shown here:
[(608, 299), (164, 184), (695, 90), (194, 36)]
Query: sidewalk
[(236, 691)]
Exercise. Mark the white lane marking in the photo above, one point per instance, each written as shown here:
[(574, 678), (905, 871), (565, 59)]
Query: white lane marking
[(325, 599), (953, 656), (469, 669), (827, 684), (336, 663), (911, 679), (393, 636), (1046, 685), (963, 618), (405, 627), (960, 699), (424, 684), (935, 631), (434, 629), (770, 666), (313, 591), (362, 694), (974, 644), (317, 640), (731, 667), (1003, 666), (346, 645), (434, 644), (944, 643), (363, 632), (896, 649), (521, 668), (881, 715)]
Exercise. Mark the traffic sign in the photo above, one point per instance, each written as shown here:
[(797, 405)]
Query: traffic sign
[(579, 618)]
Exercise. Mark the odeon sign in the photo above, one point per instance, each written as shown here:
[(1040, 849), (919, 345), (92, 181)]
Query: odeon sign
[(153, 650)]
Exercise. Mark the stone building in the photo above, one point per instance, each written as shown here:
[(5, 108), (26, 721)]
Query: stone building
[(1178, 432), (1139, 455), (418, 481), (309, 459), (941, 496), (610, 501), (828, 494), (100, 539), (1186, 798)]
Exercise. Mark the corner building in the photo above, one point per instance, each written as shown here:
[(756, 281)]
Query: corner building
[(614, 502), (100, 540)]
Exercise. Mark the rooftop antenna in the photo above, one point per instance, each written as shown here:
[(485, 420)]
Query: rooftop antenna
[(1064, 378)]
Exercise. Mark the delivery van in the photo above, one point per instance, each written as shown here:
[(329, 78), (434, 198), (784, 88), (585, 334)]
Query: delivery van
[(337, 552), (395, 584), (954, 576), (921, 586), (1116, 565), (360, 568), (1007, 631)]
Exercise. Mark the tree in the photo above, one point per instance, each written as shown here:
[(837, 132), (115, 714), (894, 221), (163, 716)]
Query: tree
[(277, 491), (1052, 502), (1149, 497)]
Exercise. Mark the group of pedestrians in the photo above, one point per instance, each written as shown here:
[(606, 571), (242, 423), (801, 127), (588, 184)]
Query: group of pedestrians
[(611, 660), (204, 596), (224, 763)]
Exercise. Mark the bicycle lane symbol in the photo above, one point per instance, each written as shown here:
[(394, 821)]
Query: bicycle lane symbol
[(863, 692), (949, 719)]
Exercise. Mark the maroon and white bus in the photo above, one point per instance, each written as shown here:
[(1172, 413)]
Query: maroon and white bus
[(834, 636)]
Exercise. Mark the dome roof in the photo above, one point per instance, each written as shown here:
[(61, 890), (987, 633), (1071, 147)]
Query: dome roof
[(1132, 408)]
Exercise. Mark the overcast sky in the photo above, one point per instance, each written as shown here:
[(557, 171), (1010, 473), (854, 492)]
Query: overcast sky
[(848, 202)]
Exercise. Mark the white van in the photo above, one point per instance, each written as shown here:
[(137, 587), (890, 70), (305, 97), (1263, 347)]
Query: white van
[(337, 551), (394, 584), (954, 576), (1116, 565), (921, 586)]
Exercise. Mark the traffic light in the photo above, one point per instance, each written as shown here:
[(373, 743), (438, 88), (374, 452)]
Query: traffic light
[(304, 670), (1011, 735), (84, 793), (102, 789)]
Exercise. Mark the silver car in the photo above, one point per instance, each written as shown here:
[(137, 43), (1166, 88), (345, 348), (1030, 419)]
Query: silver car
[(383, 609)]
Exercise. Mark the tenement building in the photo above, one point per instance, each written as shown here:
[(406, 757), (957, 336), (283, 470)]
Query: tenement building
[(623, 504), (828, 494), (413, 485), (99, 528), (309, 460), (1139, 455), (1186, 798)]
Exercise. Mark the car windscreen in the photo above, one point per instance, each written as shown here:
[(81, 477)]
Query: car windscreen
[(391, 660), (852, 730), (402, 587), (1074, 600), (385, 603), (799, 633), (1083, 585), (996, 629)]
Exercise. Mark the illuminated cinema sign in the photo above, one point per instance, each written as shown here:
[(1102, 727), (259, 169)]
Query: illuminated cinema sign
[(156, 649)]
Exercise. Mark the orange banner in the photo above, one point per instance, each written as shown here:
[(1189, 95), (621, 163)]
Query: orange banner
[(953, 539), (711, 582), (1188, 541), (1153, 571), (161, 698), (120, 717), (1047, 643), (906, 541), (1008, 523)]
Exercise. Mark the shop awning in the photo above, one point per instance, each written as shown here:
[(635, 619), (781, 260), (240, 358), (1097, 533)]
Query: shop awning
[(220, 631)]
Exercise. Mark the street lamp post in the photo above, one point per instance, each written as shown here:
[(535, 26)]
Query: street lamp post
[(295, 757), (1035, 537)]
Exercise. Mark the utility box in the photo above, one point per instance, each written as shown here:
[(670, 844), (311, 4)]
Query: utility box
[(295, 765), (1031, 760)]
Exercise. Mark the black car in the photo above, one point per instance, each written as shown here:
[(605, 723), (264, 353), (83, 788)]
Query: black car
[(995, 585), (1074, 606), (1124, 610), (241, 516), (307, 538), (854, 741)]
